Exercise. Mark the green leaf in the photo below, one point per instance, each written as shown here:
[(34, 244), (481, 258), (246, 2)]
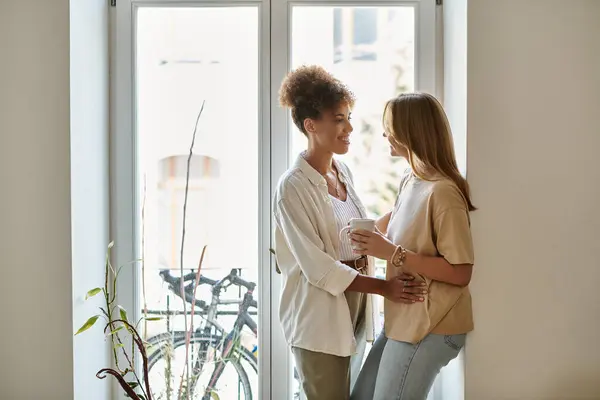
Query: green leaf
[(119, 345), (133, 385), (93, 292), (116, 330), (154, 319), (88, 324), (215, 396), (123, 314)]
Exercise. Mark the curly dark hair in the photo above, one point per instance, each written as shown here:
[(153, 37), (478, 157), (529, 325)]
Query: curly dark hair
[(309, 90)]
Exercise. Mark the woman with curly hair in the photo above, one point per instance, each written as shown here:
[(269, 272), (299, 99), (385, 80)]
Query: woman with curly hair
[(324, 306)]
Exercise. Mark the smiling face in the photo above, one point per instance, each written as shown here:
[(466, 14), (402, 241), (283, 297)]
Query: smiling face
[(396, 149), (331, 132)]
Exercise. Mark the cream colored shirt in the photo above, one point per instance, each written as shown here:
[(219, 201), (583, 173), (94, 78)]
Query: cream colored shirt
[(431, 218), (313, 309)]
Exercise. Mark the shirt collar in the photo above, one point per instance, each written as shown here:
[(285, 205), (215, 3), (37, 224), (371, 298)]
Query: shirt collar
[(314, 176)]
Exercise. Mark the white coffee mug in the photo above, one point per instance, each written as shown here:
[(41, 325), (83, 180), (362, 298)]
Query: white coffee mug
[(367, 224)]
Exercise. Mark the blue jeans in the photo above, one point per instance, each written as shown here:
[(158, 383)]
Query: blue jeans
[(405, 371)]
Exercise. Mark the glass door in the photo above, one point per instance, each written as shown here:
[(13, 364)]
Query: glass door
[(379, 49), (191, 196), (197, 146)]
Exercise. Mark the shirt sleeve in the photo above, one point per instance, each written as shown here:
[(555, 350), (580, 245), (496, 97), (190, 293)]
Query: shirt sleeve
[(453, 236), (320, 269)]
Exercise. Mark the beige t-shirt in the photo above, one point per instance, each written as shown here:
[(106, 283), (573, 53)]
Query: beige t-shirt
[(431, 218)]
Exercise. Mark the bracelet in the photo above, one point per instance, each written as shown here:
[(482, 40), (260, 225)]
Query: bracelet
[(399, 256)]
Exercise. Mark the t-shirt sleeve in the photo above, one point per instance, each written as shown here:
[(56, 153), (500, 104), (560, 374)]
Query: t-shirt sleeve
[(453, 236)]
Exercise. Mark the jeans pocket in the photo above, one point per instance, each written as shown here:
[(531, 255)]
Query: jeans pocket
[(455, 342)]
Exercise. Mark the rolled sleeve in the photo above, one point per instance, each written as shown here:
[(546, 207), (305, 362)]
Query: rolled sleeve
[(303, 241)]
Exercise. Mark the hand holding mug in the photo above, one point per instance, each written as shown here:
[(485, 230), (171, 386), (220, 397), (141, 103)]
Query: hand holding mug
[(372, 243), (366, 224)]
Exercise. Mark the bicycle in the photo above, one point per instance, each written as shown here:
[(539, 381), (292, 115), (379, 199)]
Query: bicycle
[(211, 339)]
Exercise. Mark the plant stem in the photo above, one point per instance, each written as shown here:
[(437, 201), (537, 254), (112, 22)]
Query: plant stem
[(115, 339), (107, 300), (187, 183), (188, 335), (137, 340)]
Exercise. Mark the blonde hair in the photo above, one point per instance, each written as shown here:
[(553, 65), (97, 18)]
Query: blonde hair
[(418, 122)]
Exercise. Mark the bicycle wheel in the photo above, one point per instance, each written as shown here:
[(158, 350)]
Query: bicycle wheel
[(155, 343), (167, 360)]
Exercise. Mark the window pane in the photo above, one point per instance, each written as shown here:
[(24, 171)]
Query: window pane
[(372, 51), (189, 58), (365, 25), (391, 73)]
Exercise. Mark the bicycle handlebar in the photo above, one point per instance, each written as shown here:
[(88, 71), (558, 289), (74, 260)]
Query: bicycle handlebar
[(236, 280), (190, 277), (175, 286), (232, 278)]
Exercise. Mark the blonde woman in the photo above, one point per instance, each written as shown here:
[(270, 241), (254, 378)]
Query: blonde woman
[(325, 314), (427, 234)]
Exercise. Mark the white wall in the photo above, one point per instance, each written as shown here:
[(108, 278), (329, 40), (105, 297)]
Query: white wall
[(533, 109), (36, 341), (53, 116), (89, 187)]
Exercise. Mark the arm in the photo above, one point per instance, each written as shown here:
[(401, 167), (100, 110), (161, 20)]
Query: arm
[(454, 244), (401, 289), (368, 284), (438, 269), (306, 246)]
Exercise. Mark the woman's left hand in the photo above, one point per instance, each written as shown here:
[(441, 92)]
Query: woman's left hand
[(372, 244)]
